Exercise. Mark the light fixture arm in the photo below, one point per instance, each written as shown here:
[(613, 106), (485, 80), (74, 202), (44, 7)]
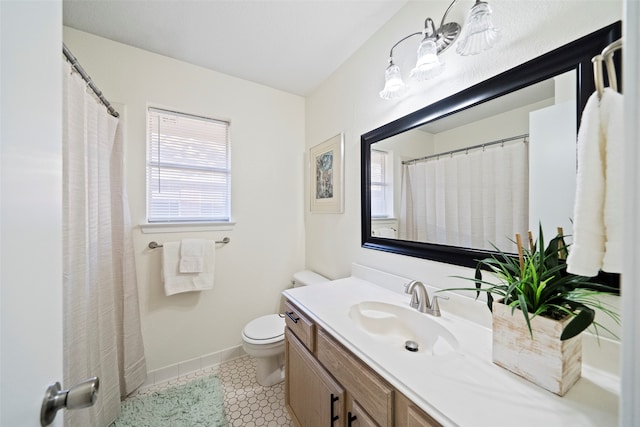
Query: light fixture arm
[(398, 42), (444, 35), (429, 31), (446, 12)]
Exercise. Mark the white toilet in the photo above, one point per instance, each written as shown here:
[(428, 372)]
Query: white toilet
[(263, 338)]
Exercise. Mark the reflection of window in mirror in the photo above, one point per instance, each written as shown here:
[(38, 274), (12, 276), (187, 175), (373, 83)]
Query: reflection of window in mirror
[(381, 184), (384, 223)]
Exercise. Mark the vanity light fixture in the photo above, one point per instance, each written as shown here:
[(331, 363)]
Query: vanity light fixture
[(478, 35)]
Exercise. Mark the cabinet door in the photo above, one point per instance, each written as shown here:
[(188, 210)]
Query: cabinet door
[(312, 397), (409, 415), (362, 384), (357, 417)]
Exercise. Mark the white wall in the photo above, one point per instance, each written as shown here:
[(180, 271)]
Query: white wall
[(267, 243)]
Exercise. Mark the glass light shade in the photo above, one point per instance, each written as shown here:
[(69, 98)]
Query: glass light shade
[(428, 65), (478, 34), (394, 87)]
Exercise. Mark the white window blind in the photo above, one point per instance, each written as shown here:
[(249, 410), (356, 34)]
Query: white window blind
[(381, 185), (188, 168)]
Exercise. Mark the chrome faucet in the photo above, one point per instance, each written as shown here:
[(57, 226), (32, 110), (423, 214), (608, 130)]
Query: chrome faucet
[(420, 298)]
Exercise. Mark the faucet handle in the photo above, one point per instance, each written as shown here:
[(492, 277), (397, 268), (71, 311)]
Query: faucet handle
[(435, 307)]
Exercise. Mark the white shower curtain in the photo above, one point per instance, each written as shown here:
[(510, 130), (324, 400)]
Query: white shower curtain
[(102, 335), (468, 199)]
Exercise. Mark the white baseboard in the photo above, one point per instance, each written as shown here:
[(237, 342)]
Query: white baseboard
[(170, 372)]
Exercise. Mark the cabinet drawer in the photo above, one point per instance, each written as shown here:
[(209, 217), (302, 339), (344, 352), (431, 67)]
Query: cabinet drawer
[(366, 387), (300, 325)]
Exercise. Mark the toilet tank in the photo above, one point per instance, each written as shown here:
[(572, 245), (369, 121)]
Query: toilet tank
[(307, 278)]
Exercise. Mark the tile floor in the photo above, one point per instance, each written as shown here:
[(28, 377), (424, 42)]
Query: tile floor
[(247, 403)]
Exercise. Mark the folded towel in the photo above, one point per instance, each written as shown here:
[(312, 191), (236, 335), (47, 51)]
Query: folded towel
[(192, 255), (176, 282)]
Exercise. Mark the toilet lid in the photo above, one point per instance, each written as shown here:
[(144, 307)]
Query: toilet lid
[(265, 327)]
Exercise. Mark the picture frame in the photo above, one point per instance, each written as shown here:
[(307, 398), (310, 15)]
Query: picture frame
[(326, 176)]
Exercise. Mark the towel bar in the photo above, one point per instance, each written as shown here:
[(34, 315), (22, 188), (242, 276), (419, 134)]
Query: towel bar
[(153, 245)]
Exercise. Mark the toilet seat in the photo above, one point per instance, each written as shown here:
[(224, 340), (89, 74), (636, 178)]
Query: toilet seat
[(264, 330)]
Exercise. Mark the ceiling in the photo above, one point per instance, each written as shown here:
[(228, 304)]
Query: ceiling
[(291, 45)]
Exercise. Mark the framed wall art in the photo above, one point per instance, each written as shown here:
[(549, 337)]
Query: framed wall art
[(326, 169)]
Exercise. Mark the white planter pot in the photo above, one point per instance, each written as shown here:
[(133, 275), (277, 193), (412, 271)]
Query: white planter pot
[(544, 359)]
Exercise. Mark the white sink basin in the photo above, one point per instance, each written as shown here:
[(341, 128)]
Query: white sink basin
[(394, 325)]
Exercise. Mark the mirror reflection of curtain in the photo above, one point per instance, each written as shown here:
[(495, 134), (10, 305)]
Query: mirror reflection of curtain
[(472, 199), (102, 331)]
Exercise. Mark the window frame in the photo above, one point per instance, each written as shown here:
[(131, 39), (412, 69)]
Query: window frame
[(386, 184), (192, 224)]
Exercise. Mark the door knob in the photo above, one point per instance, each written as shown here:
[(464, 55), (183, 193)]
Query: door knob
[(79, 396)]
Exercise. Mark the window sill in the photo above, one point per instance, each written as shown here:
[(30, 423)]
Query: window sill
[(186, 227)]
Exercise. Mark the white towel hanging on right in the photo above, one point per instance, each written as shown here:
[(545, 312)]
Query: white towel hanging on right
[(598, 211)]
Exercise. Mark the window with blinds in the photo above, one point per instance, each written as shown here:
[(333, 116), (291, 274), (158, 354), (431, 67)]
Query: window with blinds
[(188, 168), (381, 184)]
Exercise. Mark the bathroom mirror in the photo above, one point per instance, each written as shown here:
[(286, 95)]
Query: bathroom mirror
[(536, 105)]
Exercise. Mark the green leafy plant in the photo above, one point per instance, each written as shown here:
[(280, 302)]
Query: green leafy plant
[(537, 283)]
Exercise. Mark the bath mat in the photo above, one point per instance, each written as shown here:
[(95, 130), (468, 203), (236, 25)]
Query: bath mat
[(197, 403)]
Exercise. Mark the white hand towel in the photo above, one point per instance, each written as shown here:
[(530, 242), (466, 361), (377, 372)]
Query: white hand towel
[(192, 255), (176, 282), (587, 250), (611, 119)]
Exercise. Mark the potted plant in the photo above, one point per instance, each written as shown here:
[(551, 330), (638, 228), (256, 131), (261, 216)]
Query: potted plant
[(539, 310)]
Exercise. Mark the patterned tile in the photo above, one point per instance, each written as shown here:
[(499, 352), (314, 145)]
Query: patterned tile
[(247, 403)]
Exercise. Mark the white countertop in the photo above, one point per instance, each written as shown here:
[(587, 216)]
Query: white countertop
[(463, 388)]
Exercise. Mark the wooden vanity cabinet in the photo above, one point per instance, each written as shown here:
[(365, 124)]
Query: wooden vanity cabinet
[(409, 415), (365, 387), (356, 416), (312, 396), (326, 385)]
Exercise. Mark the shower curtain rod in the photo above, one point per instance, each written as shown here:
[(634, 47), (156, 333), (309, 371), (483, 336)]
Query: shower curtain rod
[(75, 64), (460, 150)]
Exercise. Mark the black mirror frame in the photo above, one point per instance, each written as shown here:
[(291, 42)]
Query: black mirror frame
[(575, 55)]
